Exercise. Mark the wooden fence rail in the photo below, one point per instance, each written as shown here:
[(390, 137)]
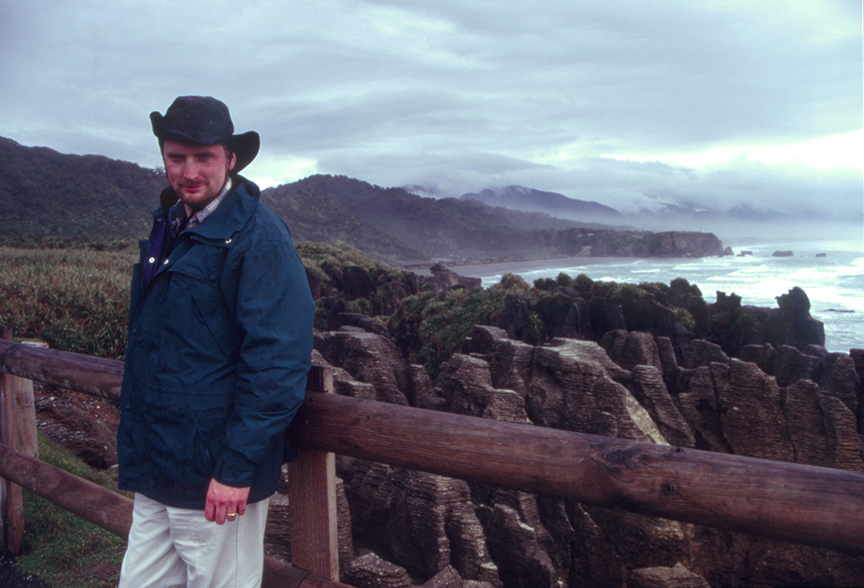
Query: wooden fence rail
[(805, 504), (312, 511)]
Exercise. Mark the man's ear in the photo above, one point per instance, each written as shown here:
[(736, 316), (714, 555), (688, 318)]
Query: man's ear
[(229, 154)]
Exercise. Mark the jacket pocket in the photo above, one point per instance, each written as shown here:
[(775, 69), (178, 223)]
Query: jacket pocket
[(196, 301), (183, 434), (209, 310)]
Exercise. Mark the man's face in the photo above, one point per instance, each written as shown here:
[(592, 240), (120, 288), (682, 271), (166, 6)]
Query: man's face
[(196, 172)]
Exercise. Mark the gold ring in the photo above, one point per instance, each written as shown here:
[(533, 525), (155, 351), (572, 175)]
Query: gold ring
[(231, 516)]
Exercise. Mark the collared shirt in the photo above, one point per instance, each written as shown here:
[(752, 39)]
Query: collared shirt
[(177, 214), (162, 237)]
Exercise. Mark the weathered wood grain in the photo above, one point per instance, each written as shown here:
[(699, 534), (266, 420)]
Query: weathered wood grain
[(18, 430), (100, 506), (312, 500), (83, 373), (805, 504)]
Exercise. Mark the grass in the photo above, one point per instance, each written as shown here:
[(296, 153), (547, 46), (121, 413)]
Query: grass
[(61, 548), (75, 299)]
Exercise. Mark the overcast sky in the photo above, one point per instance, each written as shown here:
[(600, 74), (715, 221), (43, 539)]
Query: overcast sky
[(630, 102)]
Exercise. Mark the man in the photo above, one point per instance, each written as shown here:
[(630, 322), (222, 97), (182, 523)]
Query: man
[(220, 337)]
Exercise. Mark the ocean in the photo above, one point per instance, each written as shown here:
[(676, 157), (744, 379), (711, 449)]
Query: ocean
[(833, 282)]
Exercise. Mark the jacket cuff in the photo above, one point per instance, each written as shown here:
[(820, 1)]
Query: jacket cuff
[(235, 471)]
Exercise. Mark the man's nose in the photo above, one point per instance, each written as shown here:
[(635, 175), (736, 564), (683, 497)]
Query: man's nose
[(190, 170)]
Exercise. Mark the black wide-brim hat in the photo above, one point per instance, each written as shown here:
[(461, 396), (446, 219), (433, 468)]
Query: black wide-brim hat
[(203, 120)]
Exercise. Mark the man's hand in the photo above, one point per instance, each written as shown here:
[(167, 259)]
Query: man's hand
[(224, 502)]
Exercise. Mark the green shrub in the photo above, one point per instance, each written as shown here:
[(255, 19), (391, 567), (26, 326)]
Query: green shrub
[(545, 284), (733, 322), (360, 306), (321, 320), (319, 254), (564, 280), (583, 283), (617, 292), (685, 318), (514, 284), (430, 328), (655, 287)]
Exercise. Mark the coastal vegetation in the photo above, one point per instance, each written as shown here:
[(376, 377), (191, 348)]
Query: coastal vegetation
[(76, 299), (429, 327)]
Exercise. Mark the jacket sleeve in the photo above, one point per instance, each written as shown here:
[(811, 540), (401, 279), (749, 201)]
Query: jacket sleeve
[(273, 320)]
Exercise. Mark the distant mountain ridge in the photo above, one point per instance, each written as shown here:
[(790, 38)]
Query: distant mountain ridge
[(469, 231), (660, 216), (48, 195), (529, 199), (443, 227)]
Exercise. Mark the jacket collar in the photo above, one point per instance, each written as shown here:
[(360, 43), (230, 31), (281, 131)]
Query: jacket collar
[(229, 217)]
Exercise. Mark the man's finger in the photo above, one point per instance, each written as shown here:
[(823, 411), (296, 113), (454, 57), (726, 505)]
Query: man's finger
[(224, 500), (210, 508)]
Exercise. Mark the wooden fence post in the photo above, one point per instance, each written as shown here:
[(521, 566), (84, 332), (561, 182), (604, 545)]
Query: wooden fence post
[(17, 430), (312, 500)]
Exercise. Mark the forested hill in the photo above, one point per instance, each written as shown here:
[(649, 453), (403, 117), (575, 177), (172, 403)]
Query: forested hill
[(440, 228), (313, 217), (401, 211), (468, 230), (47, 196)]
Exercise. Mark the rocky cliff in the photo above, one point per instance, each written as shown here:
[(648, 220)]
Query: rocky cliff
[(651, 363), (401, 528)]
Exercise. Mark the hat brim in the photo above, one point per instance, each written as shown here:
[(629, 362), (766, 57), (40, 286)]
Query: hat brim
[(244, 146)]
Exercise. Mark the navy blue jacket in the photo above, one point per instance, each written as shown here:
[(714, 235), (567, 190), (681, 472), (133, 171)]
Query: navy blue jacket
[(220, 337)]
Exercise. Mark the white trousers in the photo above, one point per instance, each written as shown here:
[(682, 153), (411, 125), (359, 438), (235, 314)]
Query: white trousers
[(178, 548)]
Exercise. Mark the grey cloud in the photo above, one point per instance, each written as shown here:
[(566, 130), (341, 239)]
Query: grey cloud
[(453, 95)]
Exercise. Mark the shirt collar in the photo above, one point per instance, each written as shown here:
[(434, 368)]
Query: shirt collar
[(177, 214)]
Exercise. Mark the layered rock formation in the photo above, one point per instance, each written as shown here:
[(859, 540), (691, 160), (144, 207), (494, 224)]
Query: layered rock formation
[(410, 528), (584, 313)]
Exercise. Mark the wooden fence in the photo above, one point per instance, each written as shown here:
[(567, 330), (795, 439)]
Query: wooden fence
[(804, 504), (312, 487)]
